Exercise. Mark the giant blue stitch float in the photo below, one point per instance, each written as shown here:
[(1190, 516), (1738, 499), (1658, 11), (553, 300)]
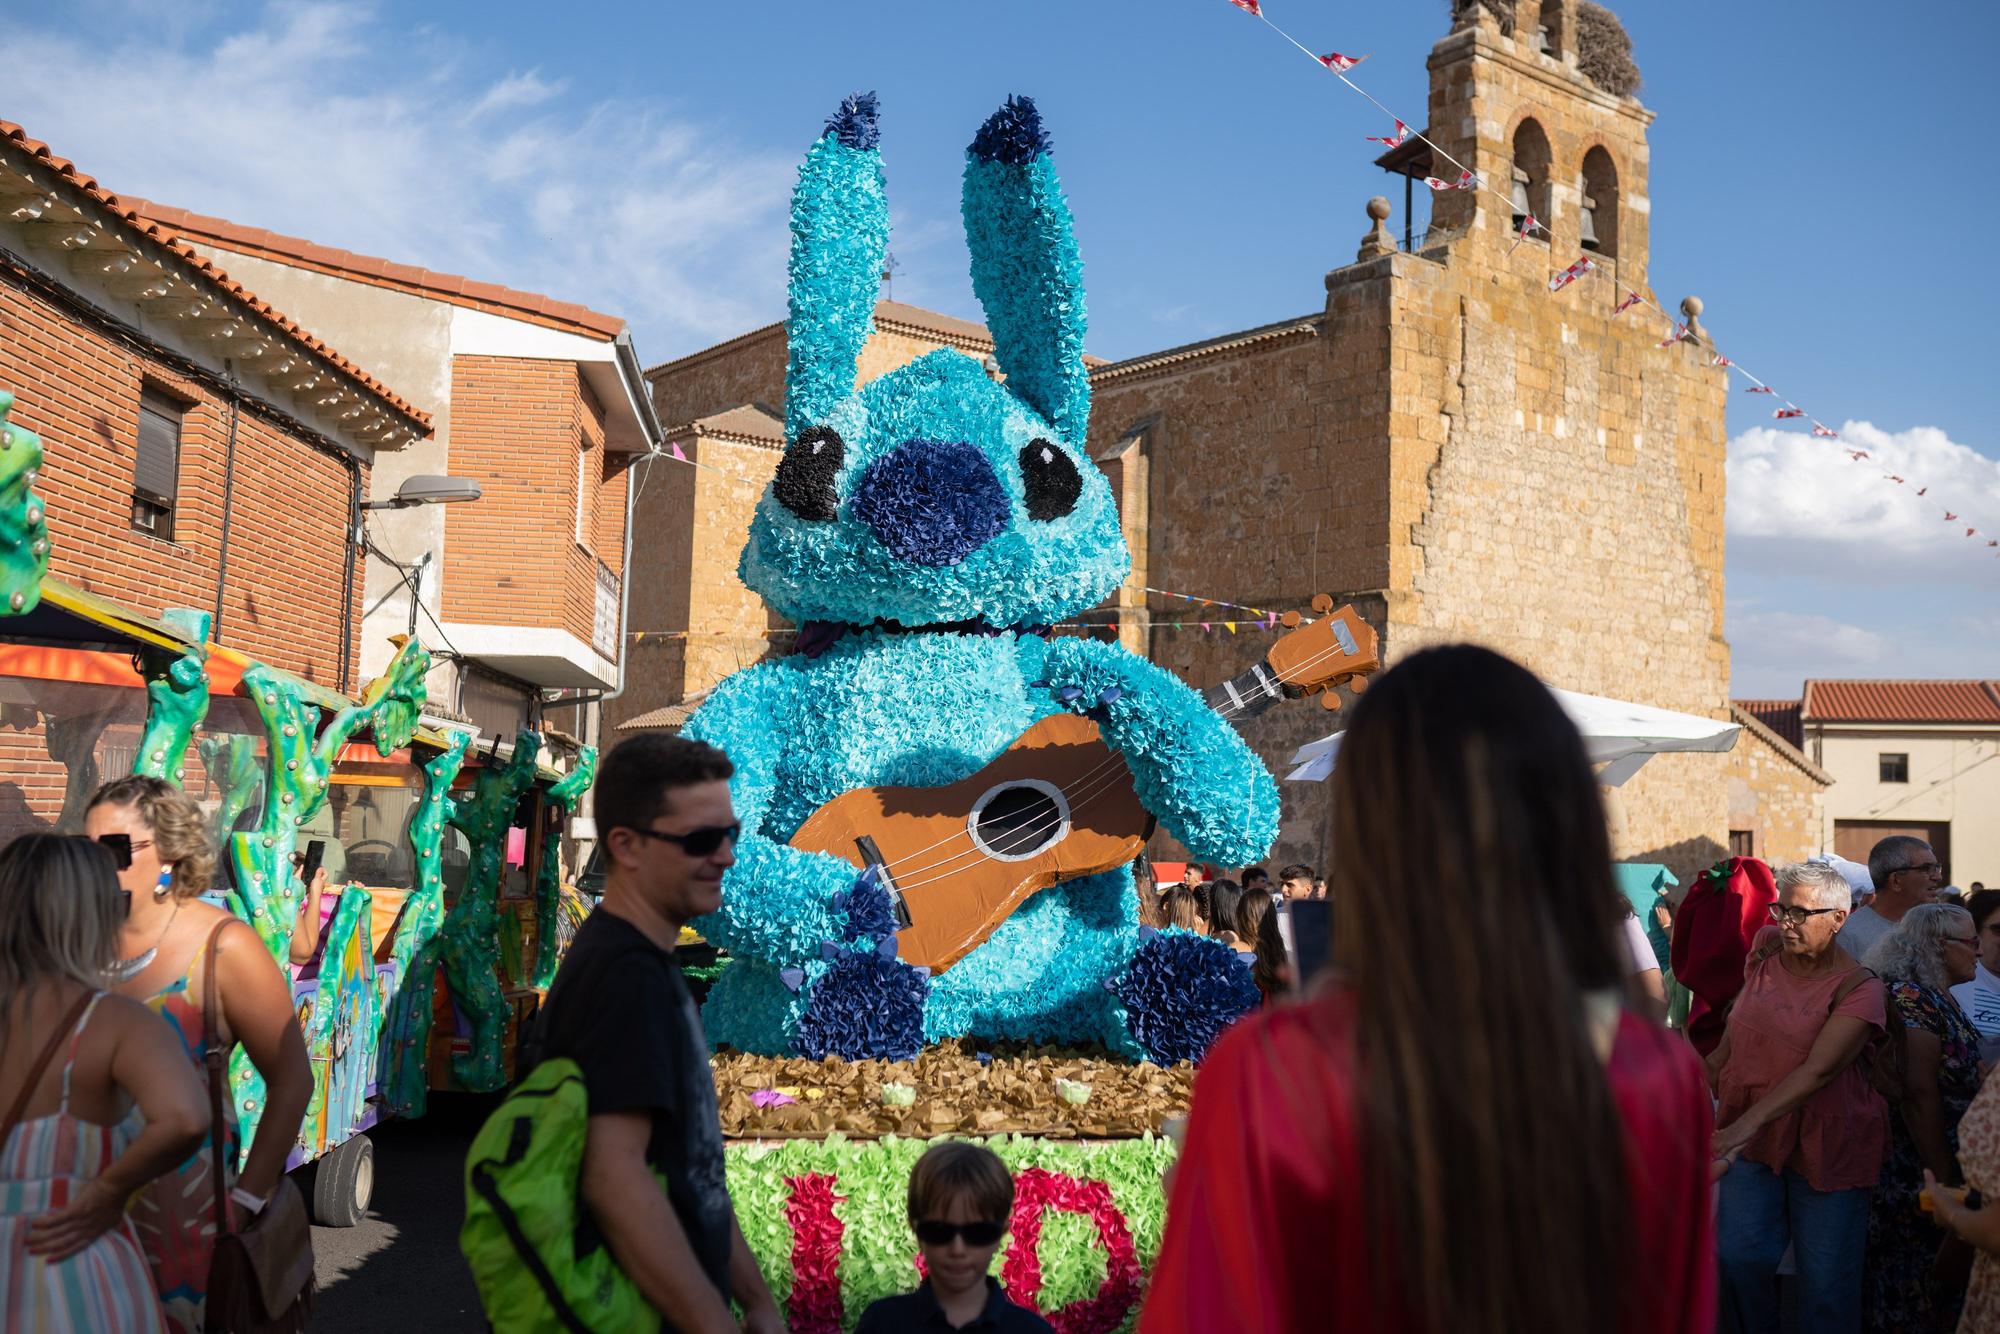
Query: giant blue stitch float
[(924, 530)]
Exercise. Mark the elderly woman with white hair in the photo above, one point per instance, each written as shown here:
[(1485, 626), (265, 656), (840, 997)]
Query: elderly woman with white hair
[(1935, 1050), (1799, 1128)]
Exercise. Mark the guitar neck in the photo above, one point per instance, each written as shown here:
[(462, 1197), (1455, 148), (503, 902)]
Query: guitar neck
[(1246, 696)]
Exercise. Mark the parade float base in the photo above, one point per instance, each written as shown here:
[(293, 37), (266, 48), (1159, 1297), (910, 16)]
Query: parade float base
[(959, 1088), (820, 1183)]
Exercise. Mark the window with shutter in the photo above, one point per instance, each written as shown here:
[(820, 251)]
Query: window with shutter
[(156, 464)]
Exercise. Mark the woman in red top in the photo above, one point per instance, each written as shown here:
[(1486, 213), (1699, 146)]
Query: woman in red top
[(1464, 1131)]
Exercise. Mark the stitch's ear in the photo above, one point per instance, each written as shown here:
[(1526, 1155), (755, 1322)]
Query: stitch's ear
[(1025, 268), (840, 235)]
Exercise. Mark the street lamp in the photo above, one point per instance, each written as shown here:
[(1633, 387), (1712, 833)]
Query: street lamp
[(427, 489)]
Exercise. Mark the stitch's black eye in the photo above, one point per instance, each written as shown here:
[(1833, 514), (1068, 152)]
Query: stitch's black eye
[(1050, 480), (804, 484)]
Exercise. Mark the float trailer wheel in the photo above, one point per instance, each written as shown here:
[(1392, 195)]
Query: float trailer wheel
[(343, 1183)]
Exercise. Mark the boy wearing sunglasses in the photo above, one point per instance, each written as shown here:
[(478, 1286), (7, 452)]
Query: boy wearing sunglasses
[(621, 1010), (960, 1198)]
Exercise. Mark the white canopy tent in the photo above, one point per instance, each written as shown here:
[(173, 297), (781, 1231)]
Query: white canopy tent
[(1619, 735)]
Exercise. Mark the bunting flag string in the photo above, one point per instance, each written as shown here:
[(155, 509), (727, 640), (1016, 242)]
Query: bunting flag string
[(1571, 274), (1467, 180), (1402, 133)]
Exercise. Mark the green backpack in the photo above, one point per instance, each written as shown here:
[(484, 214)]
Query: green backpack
[(522, 1211)]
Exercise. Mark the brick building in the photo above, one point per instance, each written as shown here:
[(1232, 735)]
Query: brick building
[(542, 403), (202, 451), (1442, 441), (1909, 757)]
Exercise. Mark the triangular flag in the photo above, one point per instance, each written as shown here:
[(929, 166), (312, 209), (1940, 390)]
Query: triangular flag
[(1631, 299), (1232, 625), (1782, 413), (1335, 61), (1760, 389), (1207, 628), (1249, 6), (677, 453), (1402, 133)]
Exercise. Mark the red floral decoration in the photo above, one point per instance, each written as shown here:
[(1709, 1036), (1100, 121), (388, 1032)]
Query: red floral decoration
[(816, 1231), (1036, 1190)]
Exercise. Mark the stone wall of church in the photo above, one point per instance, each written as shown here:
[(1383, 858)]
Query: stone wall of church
[(1557, 493), (1773, 800)]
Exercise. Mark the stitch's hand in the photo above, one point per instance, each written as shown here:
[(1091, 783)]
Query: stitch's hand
[(1190, 767)]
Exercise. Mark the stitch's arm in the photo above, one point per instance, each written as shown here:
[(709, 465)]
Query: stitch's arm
[(1190, 767), (776, 901)]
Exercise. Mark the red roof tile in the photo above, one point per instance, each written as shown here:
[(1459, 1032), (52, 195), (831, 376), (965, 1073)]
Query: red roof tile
[(1901, 702), (124, 212), (1780, 715), (378, 272)]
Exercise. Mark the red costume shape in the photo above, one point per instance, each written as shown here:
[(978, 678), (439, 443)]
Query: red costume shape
[(1729, 904)]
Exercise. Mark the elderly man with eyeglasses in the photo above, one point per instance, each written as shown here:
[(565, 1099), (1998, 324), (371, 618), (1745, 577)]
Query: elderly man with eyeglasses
[(1906, 873)]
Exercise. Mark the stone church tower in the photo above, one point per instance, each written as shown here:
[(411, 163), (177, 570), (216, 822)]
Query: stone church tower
[(1462, 453)]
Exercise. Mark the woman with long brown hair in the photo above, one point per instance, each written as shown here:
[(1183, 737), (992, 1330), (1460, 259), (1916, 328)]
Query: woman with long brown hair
[(171, 940), (1466, 1131)]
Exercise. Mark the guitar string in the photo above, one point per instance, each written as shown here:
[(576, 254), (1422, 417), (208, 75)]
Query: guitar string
[(1113, 760), (1082, 798), (1226, 714)]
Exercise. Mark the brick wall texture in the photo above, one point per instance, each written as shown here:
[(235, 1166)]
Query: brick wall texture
[(519, 427), (79, 390)]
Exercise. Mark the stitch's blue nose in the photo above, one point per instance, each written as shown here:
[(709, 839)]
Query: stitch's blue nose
[(931, 502)]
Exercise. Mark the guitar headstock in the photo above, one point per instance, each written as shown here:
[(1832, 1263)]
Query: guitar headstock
[(1339, 648)]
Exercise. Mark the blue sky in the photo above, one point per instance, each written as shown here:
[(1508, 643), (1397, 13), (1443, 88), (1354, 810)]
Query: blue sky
[(1818, 178)]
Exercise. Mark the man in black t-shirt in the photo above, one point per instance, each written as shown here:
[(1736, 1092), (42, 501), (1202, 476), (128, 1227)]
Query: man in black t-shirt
[(620, 1009)]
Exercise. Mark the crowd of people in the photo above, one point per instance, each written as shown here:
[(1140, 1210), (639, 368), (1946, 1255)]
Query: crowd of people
[(1246, 913), (1474, 1120)]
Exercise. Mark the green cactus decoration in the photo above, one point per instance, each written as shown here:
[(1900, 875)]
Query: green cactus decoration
[(402, 1075), (471, 931), (176, 699), (24, 528), (231, 761), (563, 795), (301, 760)]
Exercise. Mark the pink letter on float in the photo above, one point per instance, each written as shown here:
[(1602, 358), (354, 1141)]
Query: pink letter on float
[(816, 1232), (1036, 1189)]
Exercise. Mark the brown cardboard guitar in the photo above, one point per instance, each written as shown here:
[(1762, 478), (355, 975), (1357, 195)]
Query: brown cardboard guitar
[(1056, 805)]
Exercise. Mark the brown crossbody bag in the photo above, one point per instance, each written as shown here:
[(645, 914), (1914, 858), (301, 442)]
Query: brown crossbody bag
[(260, 1280)]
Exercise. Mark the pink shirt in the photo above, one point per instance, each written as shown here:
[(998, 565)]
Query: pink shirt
[(1836, 1139)]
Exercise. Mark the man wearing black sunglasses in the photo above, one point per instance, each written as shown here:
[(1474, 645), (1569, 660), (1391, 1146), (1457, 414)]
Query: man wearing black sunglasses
[(621, 1010), (1905, 872)]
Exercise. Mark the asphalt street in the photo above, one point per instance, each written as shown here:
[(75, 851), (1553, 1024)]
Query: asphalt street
[(399, 1269)]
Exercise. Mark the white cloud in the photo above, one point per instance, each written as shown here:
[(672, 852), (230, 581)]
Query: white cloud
[(1772, 652), (325, 121), (1804, 507), (1835, 569)]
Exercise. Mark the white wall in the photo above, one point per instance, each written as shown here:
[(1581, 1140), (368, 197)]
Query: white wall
[(1954, 776)]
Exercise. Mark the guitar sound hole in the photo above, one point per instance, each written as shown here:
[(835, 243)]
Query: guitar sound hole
[(1017, 821)]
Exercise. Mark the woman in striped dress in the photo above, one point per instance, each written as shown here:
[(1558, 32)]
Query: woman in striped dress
[(73, 1060)]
